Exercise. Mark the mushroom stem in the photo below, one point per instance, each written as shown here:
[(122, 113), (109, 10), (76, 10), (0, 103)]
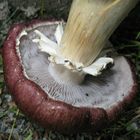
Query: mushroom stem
[(65, 76), (89, 26)]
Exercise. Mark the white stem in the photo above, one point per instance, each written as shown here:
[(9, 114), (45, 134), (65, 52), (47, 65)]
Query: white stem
[(89, 26), (65, 76)]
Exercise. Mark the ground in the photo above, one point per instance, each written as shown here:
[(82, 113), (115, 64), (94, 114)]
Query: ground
[(15, 126)]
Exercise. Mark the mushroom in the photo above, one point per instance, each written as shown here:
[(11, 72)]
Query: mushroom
[(67, 77)]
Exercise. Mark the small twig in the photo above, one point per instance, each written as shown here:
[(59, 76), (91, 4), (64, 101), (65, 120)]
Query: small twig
[(0, 51), (14, 123), (138, 36), (9, 18), (42, 7)]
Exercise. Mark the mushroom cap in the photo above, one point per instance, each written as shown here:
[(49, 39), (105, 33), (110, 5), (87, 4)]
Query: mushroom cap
[(55, 114)]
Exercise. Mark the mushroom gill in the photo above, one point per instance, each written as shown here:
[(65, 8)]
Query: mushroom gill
[(103, 91)]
